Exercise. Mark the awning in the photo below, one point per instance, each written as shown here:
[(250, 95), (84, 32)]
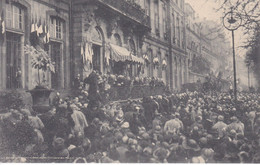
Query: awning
[(119, 53), (137, 59)]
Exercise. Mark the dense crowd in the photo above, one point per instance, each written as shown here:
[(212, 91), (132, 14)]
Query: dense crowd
[(178, 128)]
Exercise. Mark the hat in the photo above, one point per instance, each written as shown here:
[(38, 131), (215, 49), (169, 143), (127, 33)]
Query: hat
[(80, 160), (190, 145), (207, 152), (58, 143), (26, 112), (125, 139), (148, 150), (130, 135), (161, 153), (145, 136), (125, 125), (203, 141), (198, 118), (233, 132), (234, 118), (197, 160), (165, 145)]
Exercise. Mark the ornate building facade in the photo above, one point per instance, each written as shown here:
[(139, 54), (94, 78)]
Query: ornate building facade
[(136, 38)]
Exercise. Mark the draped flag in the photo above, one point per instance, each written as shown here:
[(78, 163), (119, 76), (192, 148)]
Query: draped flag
[(82, 52), (2, 23), (33, 24), (45, 32)]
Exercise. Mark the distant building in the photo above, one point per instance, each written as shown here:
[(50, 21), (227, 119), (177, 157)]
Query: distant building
[(207, 47)]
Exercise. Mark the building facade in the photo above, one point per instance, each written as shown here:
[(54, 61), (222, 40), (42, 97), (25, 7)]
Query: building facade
[(20, 17), (136, 38)]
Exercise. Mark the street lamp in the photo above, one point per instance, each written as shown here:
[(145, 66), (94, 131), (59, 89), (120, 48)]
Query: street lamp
[(232, 21)]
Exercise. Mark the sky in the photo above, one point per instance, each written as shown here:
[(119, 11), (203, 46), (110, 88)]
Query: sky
[(207, 9)]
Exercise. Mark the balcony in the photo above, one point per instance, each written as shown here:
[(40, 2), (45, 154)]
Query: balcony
[(129, 9)]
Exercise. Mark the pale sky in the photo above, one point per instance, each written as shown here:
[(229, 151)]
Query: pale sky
[(207, 9)]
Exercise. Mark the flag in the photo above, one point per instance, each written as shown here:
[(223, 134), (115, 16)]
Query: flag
[(45, 32), (33, 25), (86, 52), (2, 23), (82, 52)]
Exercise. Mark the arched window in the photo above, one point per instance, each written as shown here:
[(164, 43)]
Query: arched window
[(118, 39), (96, 36)]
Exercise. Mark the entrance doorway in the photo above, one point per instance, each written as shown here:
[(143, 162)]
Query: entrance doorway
[(96, 58)]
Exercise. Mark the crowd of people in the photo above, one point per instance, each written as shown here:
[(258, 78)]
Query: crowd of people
[(189, 127)]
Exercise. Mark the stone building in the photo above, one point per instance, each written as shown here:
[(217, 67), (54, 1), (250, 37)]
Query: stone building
[(166, 42), (136, 38), (193, 30), (20, 18)]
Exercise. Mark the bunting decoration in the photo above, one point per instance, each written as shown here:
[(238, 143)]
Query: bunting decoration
[(107, 55), (33, 25), (86, 53)]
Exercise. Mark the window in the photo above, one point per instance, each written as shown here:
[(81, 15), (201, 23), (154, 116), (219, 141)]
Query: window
[(173, 26), (118, 39), (56, 28), (178, 31), (147, 6), (13, 61), (164, 18), (14, 17), (156, 16)]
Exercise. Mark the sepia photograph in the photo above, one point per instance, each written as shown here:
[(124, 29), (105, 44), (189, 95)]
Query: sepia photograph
[(129, 81)]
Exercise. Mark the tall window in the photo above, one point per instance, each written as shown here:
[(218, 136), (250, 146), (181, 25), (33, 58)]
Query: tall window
[(13, 61), (156, 16), (147, 7), (173, 27), (178, 35), (164, 17), (56, 28), (14, 17)]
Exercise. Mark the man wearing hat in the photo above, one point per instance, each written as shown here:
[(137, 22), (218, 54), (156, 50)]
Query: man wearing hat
[(236, 125), (173, 126), (220, 126)]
